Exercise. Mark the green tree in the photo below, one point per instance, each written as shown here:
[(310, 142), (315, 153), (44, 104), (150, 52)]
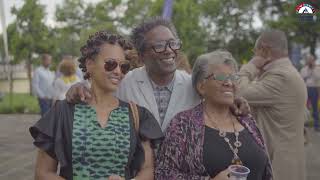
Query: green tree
[(282, 15), (202, 25), (28, 35), (77, 20), (71, 18), (231, 26), (188, 19)]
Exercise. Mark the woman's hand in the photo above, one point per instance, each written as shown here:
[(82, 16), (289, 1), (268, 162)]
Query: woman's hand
[(115, 177), (223, 175), (77, 93)]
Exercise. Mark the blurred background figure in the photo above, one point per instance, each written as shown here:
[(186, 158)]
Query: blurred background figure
[(78, 71), (133, 57), (311, 76), (183, 62), (42, 82), (68, 77)]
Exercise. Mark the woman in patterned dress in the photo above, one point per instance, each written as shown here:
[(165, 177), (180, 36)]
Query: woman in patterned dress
[(201, 143), (99, 139)]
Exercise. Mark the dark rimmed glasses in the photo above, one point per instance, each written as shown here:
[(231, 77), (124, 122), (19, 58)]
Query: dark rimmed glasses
[(161, 46), (112, 64), (224, 77)]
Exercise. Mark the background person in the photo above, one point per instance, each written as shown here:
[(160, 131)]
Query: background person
[(42, 82), (277, 95), (68, 77), (311, 76)]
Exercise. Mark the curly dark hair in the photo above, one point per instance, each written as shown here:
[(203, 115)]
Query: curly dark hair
[(139, 32), (93, 44)]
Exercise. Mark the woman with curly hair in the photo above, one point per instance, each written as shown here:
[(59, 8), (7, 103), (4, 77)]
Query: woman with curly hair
[(104, 138)]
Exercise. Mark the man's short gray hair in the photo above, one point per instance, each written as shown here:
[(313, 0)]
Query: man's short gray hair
[(276, 39), (139, 32), (201, 66)]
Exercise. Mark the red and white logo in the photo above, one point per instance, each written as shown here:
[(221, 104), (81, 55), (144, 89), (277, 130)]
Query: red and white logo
[(305, 8)]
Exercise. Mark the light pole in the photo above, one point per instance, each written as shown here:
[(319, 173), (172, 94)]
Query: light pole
[(4, 31), (6, 51)]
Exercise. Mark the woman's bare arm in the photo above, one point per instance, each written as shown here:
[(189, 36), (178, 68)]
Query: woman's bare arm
[(46, 167), (147, 170)]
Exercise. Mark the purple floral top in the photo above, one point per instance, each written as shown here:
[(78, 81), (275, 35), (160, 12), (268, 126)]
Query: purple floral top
[(181, 153)]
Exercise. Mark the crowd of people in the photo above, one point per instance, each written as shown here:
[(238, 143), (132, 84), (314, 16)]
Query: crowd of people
[(49, 86), (144, 114)]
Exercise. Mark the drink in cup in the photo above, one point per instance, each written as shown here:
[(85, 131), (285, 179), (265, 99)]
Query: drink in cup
[(238, 172)]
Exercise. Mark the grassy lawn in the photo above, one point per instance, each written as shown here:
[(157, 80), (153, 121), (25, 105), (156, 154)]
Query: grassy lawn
[(19, 103)]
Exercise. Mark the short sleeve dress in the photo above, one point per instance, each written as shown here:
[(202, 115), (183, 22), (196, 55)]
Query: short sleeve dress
[(71, 134)]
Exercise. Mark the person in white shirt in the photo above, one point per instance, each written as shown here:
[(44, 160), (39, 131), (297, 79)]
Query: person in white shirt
[(68, 77), (42, 83), (311, 75)]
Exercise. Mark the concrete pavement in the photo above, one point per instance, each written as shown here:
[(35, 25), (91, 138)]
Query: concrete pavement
[(17, 154)]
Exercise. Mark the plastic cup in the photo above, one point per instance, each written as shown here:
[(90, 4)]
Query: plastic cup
[(238, 172)]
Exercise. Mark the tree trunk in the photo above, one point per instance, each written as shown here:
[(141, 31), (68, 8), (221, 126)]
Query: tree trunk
[(10, 78), (29, 70)]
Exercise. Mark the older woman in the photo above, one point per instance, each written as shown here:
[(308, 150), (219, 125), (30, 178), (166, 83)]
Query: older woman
[(101, 139), (201, 143)]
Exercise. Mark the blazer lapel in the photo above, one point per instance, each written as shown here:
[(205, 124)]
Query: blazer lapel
[(146, 90), (174, 100)]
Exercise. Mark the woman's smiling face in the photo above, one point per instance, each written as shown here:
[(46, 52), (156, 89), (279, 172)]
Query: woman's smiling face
[(109, 67)]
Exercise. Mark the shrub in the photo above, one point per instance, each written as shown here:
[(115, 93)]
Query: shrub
[(20, 103)]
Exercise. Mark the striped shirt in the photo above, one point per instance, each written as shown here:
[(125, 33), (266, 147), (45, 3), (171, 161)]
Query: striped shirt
[(162, 95)]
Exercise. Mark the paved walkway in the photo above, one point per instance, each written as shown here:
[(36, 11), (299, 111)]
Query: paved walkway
[(17, 154)]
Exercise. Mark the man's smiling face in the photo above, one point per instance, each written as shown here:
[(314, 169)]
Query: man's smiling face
[(160, 54)]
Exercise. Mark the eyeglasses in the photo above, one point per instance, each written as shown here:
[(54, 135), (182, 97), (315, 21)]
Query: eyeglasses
[(112, 64), (160, 47), (223, 77)]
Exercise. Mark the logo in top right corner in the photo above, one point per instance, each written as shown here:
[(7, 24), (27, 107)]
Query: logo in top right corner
[(307, 12), (305, 8)]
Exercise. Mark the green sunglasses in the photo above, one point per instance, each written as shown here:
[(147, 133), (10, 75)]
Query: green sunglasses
[(223, 77)]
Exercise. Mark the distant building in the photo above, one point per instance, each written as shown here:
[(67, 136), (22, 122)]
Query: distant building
[(19, 71)]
